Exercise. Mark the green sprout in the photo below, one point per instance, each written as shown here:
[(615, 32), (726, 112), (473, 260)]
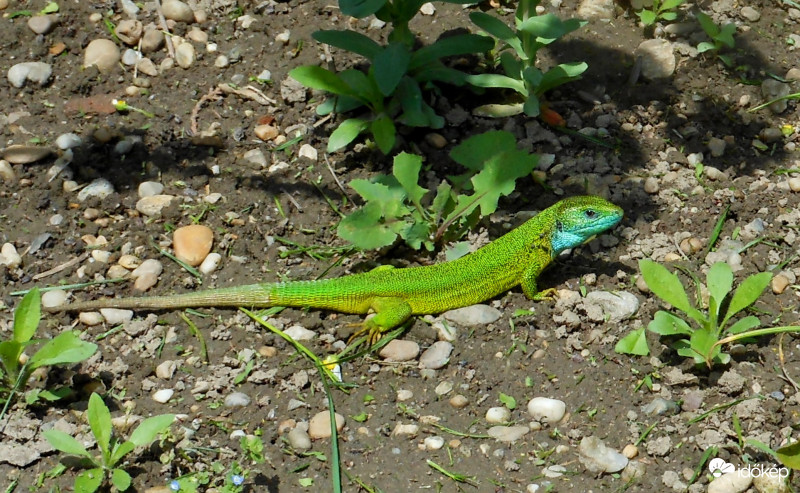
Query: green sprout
[(123, 107)]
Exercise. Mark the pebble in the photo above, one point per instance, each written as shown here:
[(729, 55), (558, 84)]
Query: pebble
[(406, 430), (9, 256), (152, 206), (100, 188), (7, 174), (150, 188), (177, 11), (473, 315), (90, 319), (153, 40), (117, 271), (300, 333), (547, 410), (433, 443), (404, 395), (237, 399), (773, 89), (283, 37), (116, 316), (750, 14), (716, 146), (714, 174), (399, 350), (25, 154), (596, 9), (129, 31), (660, 406), (436, 140), (498, 415), (185, 55), (617, 306), (598, 458), (444, 388), (37, 72), (779, 283), (266, 132), (166, 369), (210, 263), (436, 356), (320, 425), (459, 401), (307, 151), (554, 471), (53, 298), (256, 157), (197, 35), (129, 261), (192, 243), (42, 24), (221, 61), (146, 275), (691, 245), (630, 451), (68, 141), (130, 57), (507, 434), (101, 256), (658, 59), (102, 53), (651, 185), (732, 482), (299, 439), (163, 396)]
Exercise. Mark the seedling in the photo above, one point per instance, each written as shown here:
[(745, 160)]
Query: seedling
[(66, 348), (112, 450), (397, 206), (121, 106), (50, 8), (721, 37), (702, 340), (664, 11), (517, 58)]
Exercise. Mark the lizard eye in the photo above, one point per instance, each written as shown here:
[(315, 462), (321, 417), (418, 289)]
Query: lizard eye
[(590, 213)]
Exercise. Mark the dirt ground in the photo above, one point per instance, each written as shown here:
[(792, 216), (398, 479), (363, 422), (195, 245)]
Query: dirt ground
[(197, 143)]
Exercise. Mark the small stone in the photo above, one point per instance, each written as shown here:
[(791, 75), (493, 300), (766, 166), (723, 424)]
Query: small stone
[(547, 410), (658, 59), (404, 395), (714, 174), (473, 315), (68, 141), (427, 8), (459, 401), (9, 256), (266, 132), (101, 256), (146, 275), (773, 482), (597, 457), (405, 430), (750, 14), (129, 31), (197, 35), (90, 319), (129, 261), (433, 443), (732, 482), (771, 134), (7, 174), (192, 243), (153, 40), (307, 151), (147, 67), (102, 53), (56, 297), (299, 438), (152, 206), (185, 55), (300, 333), (150, 188), (177, 11), (436, 140), (436, 356), (320, 425), (237, 399), (716, 146), (507, 434), (651, 185), (42, 24), (399, 350), (794, 184), (779, 284), (100, 188), (630, 451), (596, 9), (210, 263), (116, 316), (166, 369), (117, 271), (256, 157), (163, 396), (615, 307), (36, 72), (498, 415), (691, 245), (221, 61), (772, 89), (283, 37)]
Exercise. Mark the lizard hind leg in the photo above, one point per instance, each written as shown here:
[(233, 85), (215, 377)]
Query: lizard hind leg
[(389, 313)]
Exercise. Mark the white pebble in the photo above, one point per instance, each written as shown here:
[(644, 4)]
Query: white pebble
[(177, 11), (404, 395), (473, 315), (307, 151), (213, 198), (237, 399), (56, 220), (90, 319), (9, 256), (221, 61), (732, 482), (102, 53), (498, 415), (547, 410), (405, 430), (116, 316), (210, 263), (129, 261), (152, 206), (163, 396), (399, 350), (185, 55), (508, 434), (436, 356), (7, 172), (299, 439), (166, 369), (56, 297), (150, 188), (433, 443), (300, 333), (597, 457), (68, 141), (149, 266), (444, 388), (130, 57), (37, 72), (101, 256), (100, 188)]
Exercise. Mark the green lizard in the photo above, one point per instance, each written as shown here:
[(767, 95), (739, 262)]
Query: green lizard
[(517, 258)]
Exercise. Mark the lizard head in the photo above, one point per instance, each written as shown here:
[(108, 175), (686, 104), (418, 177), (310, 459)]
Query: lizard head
[(578, 219)]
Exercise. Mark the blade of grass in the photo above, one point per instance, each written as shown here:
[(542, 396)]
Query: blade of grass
[(459, 478), (717, 229), (188, 268), (79, 285), (196, 332), (722, 407)]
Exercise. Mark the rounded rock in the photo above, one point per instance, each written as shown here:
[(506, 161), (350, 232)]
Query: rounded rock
[(266, 132), (100, 188), (794, 184), (547, 410), (210, 263), (299, 439), (320, 425), (459, 401), (102, 53), (116, 316), (399, 350), (153, 40), (658, 59), (473, 315), (507, 434), (42, 24), (185, 55), (90, 319), (779, 284), (498, 415), (129, 31), (166, 369), (37, 72), (7, 174), (436, 356), (163, 396), (651, 185), (597, 457), (237, 399), (68, 141), (150, 188), (192, 243), (56, 297), (307, 151), (25, 154), (9, 256), (152, 206), (177, 11)]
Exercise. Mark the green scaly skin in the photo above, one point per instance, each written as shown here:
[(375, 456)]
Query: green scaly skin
[(517, 258)]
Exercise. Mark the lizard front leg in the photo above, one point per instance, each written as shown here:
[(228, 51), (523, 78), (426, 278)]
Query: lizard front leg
[(529, 287), (389, 313)]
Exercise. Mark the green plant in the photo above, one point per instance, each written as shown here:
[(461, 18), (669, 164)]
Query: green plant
[(112, 450), (660, 10), (392, 87), (700, 342), (66, 348), (721, 37), (517, 58), (397, 206)]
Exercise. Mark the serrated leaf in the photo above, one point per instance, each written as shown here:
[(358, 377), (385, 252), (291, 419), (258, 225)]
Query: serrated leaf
[(384, 133), (386, 193), (633, 343), (66, 443), (27, 316), (65, 348), (668, 287), (499, 175), (416, 235), (443, 200), (406, 169), (100, 422), (350, 41), (363, 228), (120, 479), (345, 133), (89, 481), (389, 66), (476, 150)]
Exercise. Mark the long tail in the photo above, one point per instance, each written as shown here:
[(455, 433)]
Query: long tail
[(252, 295)]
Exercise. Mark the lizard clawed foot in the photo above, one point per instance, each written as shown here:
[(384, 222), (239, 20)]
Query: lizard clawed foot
[(371, 331), (549, 294)]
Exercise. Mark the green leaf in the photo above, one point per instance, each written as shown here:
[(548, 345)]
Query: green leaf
[(66, 443), (27, 316), (9, 356), (546, 28), (497, 81), (719, 281), (389, 66), (89, 481), (669, 16), (345, 133), (789, 455), (499, 176), (531, 106), (360, 8), (363, 228), (50, 8), (460, 44), (476, 150), (339, 104), (633, 343), (120, 479), (383, 131), (708, 25), (321, 79), (670, 4), (702, 341), (119, 451), (508, 401), (747, 323), (443, 200), (512, 66), (385, 192), (350, 41), (406, 169), (416, 235), (667, 324), (65, 348), (648, 17), (457, 250), (747, 293), (668, 287), (149, 429), (493, 26), (705, 46), (725, 35), (100, 423), (559, 75)]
